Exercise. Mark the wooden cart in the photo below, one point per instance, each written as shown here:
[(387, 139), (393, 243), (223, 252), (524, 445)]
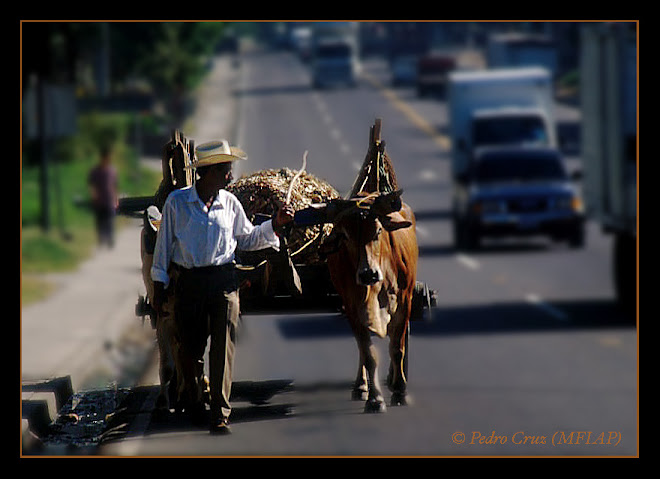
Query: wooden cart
[(277, 283)]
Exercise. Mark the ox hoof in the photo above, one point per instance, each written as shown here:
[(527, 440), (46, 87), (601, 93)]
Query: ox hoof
[(375, 406), (358, 395), (400, 399)]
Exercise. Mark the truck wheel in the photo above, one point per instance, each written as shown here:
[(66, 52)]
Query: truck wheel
[(458, 237), (471, 238), (625, 271), (577, 238)]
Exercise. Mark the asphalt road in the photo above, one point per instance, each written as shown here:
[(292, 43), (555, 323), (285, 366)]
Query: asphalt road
[(526, 353)]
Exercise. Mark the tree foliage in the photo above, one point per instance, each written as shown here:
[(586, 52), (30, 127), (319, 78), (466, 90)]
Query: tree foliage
[(168, 55)]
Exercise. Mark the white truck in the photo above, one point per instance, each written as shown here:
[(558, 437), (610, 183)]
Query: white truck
[(522, 49), (608, 93), (335, 54), (500, 107)]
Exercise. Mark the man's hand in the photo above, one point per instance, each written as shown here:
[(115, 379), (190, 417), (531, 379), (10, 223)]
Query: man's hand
[(284, 216)]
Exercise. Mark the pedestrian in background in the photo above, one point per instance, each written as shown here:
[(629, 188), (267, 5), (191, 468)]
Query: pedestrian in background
[(202, 225), (103, 184)]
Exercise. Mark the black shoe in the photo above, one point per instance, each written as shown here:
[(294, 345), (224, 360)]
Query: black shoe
[(220, 427)]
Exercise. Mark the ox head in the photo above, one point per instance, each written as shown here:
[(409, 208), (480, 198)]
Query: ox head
[(361, 224)]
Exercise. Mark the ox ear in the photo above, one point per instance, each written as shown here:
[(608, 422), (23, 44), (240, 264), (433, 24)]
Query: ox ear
[(394, 221), (387, 203)]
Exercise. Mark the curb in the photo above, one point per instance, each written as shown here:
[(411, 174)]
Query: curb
[(41, 401)]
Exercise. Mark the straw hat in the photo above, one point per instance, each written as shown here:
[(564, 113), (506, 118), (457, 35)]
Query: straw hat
[(215, 152)]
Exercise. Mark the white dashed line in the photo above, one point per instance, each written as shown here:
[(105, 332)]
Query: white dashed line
[(345, 149), (428, 175), (421, 231), (328, 120), (335, 133), (468, 262), (547, 308)]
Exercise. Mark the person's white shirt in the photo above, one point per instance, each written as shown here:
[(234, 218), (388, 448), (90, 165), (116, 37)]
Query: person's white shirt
[(193, 235)]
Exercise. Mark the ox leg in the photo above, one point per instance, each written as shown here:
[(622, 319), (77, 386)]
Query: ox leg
[(360, 386), (164, 335), (396, 379), (369, 363), (166, 363)]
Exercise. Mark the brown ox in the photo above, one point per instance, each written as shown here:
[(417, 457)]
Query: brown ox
[(374, 269)]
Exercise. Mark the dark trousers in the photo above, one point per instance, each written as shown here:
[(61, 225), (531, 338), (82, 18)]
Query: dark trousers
[(207, 304), (105, 220)]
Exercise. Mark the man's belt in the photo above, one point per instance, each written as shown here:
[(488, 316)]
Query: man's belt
[(223, 268)]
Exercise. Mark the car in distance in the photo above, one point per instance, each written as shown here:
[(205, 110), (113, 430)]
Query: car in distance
[(517, 191)]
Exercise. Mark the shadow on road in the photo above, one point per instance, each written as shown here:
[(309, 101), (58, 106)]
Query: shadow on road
[(304, 327), (485, 318), (508, 317), (493, 247), (257, 393), (430, 215)]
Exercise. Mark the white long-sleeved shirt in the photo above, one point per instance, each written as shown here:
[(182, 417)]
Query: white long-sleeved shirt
[(192, 235)]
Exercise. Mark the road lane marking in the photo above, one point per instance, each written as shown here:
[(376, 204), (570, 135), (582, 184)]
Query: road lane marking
[(345, 149), (610, 342), (327, 118), (421, 231), (547, 308), (329, 121), (335, 133), (468, 262), (441, 140), (428, 175), (241, 124)]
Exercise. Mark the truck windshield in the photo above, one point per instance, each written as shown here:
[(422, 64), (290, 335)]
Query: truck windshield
[(520, 129), (333, 51), (519, 168)]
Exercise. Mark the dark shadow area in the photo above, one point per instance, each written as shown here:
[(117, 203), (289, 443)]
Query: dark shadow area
[(180, 421), (489, 318), (257, 393), (257, 413), (436, 250), (487, 248), (321, 326), (512, 245), (323, 386), (511, 317), (433, 215)]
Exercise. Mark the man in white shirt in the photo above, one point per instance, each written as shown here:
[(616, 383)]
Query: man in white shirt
[(202, 225)]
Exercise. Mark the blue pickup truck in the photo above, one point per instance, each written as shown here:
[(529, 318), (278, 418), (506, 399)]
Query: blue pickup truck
[(515, 192)]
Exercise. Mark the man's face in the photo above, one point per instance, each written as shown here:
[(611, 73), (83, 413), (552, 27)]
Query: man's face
[(219, 175)]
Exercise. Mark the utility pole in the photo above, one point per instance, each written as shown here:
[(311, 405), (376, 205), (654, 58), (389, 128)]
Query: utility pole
[(43, 153)]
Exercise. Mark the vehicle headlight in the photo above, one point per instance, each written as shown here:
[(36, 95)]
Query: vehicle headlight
[(577, 205), (571, 203)]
